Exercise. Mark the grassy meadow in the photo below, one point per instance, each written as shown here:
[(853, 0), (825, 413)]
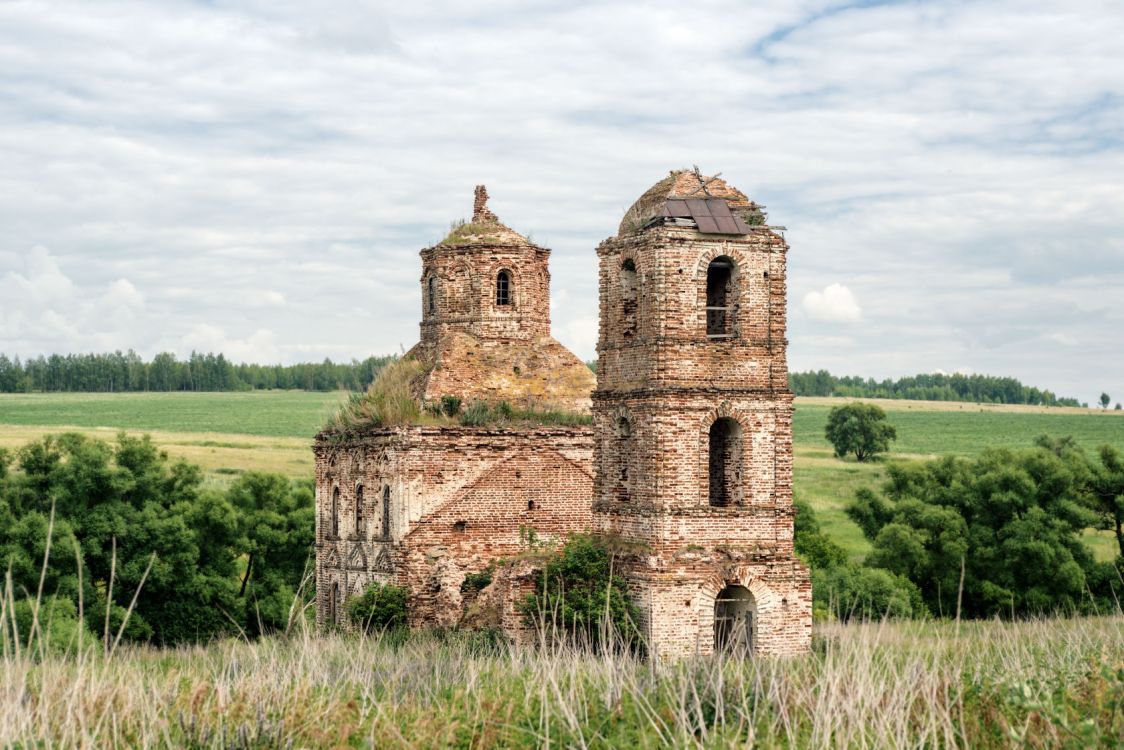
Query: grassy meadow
[(231, 433), (1042, 683), (989, 684)]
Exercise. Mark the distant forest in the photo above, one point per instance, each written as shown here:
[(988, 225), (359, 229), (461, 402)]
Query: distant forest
[(117, 372), (121, 372), (984, 389)]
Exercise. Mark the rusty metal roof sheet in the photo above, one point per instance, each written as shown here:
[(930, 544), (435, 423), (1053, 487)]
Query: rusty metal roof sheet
[(712, 215)]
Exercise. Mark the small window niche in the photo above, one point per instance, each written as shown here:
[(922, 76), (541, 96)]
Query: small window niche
[(725, 461), (503, 288), (385, 512), (720, 298), (431, 295), (623, 489), (629, 294), (334, 527), (359, 527)]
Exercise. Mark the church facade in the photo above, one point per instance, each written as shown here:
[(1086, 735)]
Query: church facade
[(689, 454)]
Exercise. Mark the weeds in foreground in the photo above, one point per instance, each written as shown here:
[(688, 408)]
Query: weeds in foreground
[(1041, 683)]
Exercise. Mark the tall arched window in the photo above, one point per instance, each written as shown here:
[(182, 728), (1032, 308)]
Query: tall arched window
[(628, 297), (431, 295), (623, 489), (720, 298), (359, 530), (386, 512), (503, 288), (725, 462), (335, 520)]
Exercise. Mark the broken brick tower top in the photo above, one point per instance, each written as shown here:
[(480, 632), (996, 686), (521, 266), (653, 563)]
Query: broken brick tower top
[(485, 328)]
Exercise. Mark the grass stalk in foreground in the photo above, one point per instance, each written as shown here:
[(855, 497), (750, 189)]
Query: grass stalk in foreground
[(1040, 683)]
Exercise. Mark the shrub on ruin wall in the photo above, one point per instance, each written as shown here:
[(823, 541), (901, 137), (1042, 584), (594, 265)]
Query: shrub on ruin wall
[(380, 607), (581, 596), (389, 401)]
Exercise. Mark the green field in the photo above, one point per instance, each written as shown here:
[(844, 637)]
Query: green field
[(230, 433), (264, 413), (935, 429)]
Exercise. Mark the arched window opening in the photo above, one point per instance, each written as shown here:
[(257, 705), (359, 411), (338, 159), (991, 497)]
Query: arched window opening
[(335, 520), (431, 295), (735, 621), (623, 489), (628, 297), (386, 512), (530, 505), (359, 511), (719, 298), (725, 462), (503, 288)]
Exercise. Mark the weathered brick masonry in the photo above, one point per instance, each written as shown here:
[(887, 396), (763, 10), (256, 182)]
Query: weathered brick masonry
[(690, 453), (421, 506), (693, 424)]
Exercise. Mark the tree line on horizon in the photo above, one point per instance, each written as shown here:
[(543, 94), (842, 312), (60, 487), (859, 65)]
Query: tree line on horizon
[(119, 372), (983, 389), (128, 372)]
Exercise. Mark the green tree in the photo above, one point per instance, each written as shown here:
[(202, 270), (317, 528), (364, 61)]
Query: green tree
[(856, 592), (379, 607), (577, 590), (1105, 400), (1009, 522), (136, 518), (1108, 491), (860, 429), (275, 520)]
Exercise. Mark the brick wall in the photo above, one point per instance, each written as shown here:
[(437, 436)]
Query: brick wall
[(459, 498), (659, 372)]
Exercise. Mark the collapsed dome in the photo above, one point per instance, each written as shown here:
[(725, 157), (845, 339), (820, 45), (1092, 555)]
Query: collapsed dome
[(688, 197)]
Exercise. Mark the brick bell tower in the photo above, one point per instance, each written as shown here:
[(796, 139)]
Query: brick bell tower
[(693, 421)]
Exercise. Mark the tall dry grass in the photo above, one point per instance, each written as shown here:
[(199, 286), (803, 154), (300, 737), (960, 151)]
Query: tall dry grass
[(1044, 683)]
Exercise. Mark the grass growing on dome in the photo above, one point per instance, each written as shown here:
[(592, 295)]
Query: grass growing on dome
[(481, 414), (389, 401), (469, 232)]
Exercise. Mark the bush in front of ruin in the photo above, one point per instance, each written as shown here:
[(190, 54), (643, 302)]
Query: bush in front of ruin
[(580, 597), (382, 606)]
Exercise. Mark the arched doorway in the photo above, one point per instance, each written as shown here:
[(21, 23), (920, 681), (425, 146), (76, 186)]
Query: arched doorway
[(735, 621)]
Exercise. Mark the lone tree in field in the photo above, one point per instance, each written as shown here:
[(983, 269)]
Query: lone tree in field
[(1105, 399), (861, 429)]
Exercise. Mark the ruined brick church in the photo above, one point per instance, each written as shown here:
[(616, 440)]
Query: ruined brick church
[(689, 454)]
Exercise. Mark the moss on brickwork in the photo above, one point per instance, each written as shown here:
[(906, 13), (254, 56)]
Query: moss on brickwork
[(482, 233), (393, 400)]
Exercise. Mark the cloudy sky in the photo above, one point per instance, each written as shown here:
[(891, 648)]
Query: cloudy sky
[(257, 177)]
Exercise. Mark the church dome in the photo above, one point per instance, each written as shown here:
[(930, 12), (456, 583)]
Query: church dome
[(684, 185)]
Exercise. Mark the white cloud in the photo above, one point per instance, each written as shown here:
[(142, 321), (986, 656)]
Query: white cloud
[(275, 166), (835, 304), (260, 346), (41, 307)]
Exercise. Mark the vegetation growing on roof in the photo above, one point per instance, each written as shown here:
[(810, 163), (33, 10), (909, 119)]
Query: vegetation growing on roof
[(466, 233), (391, 400), (480, 413)]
